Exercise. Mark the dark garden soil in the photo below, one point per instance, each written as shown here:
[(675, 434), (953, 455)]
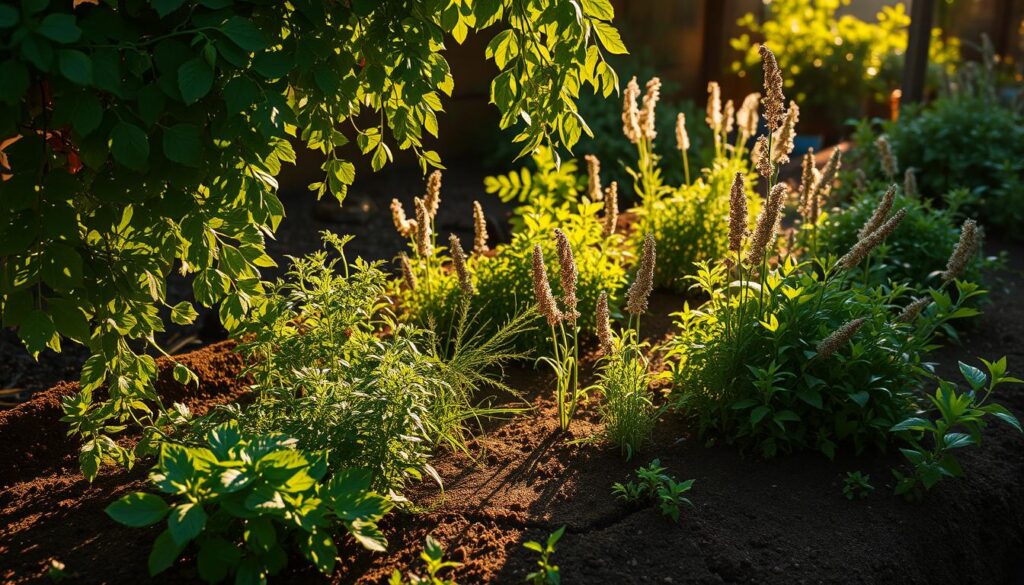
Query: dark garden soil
[(784, 521)]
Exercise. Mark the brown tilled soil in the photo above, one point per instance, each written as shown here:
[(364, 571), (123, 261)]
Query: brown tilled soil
[(784, 521)]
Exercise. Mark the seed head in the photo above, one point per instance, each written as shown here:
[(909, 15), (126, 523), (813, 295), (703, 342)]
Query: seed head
[(886, 156), (682, 137), (402, 225), (867, 244), (881, 212), (912, 310), (714, 109), (593, 177), (839, 338), (766, 230), (910, 183), (807, 186), (728, 116), (604, 326), (542, 289), (640, 291), (762, 162), (774, 100), (433, 196), (963, 252), (611, 208), (459, 260), (651, 97), (782, 141), (479, 229), (407, 273), (737, 214), (630, 111), (567, 275), (823, 184), (747, 118), (424, 245)]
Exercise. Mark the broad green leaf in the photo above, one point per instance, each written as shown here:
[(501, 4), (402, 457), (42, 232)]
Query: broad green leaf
[(610, 38), (69, 320), (86, 114), (165, 552), (182, 144), (129, 145), (37, 332), (195, 79), (60, 28), (217, 557), (75, 65), (321, 551), (974, 376), (600, 9), (138, 509), (185, 522), (183, 313), (244, 33), (165, 7), (239, 94), (183, 375), (8, 16), (62, 267)]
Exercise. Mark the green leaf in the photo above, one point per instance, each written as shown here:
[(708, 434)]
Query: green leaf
[(8, 16), (185, 522), (86, 114), (757, 414), (183, 375), (165, 7), (239, 94), (60, 28), (129, 145), (165, 552), (69, 320), (974, 376), (182, 144), (138, 509), (75, 65), (321, 551), (183, 313), (610, 38), (16, 81), (217, 557), (62, 267), (600, 9), (244, 33), (957, 440), (195, 79), (37, 332)]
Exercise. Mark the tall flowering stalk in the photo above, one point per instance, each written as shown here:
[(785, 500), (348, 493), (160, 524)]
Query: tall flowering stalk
[(638, 126), (683, 143), (564, 332)]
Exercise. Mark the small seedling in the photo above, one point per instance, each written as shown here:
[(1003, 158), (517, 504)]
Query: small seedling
[(546, 574), (857, 485), (654, 484), (433, 557)]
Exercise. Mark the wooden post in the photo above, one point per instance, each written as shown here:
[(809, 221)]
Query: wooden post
[(915, 64)]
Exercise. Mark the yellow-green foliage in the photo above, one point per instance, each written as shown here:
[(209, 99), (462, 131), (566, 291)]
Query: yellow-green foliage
[(835, 64), (691, 222)]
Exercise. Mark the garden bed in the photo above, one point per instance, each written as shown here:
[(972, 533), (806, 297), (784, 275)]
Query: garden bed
[(783, 521)]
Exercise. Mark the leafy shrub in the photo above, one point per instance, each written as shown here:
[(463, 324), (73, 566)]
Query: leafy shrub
[(982, 151), (247, 500), (959, 422), (433, 558), (750, 366), (912, 255), (836, 64)]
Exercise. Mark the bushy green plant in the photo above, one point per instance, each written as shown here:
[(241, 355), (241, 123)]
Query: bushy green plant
[(546, 573), (654, 484), (959, 419), (144, 137), (433, 558), (835, 64), (914, 254), (246, 501)]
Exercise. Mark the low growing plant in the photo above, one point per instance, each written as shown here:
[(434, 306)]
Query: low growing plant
[(653, 484), (433, 558), (246, 501), (959, 418), (857, 485), (546, 573)]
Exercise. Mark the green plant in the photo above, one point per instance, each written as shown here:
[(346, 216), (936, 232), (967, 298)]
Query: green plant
[(143, 137), (857, 485), (836, 63), (654, 484), (433, 557), (546, 574), (245, 500), (627, 411), (932, 444)]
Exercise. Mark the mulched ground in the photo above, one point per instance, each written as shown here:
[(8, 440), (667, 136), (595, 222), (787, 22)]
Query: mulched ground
[(784, 521)]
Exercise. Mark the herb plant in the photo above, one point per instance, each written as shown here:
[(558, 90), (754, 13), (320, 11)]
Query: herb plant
[(653, 484), (246, 500), (960, 416), (546, 573)]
